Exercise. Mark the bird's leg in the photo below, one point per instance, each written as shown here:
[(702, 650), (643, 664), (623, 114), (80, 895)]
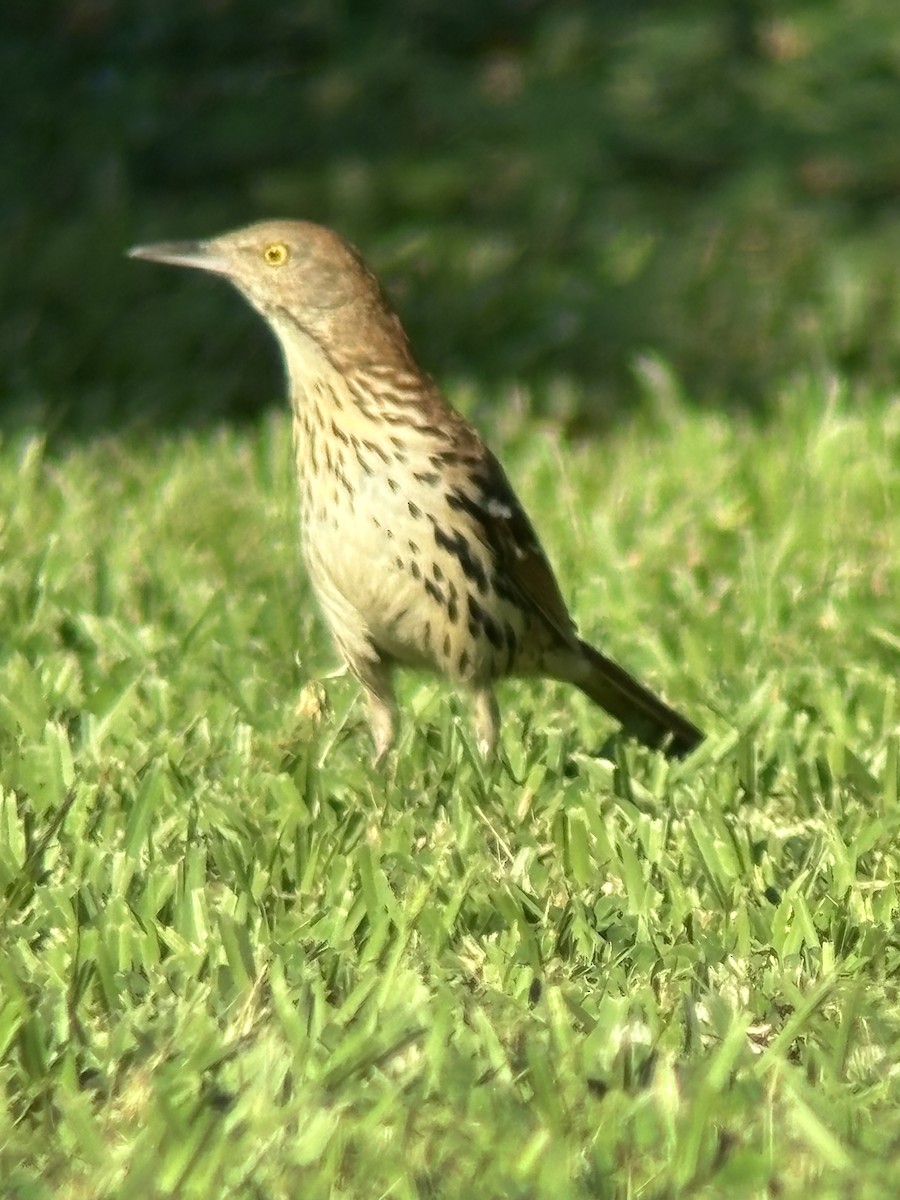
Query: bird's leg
[(382, 722), (486, 718), (375, 678)]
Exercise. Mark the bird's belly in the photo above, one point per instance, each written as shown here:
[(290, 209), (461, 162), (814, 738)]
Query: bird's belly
[(384, 585), (359, 556), (367, 601)]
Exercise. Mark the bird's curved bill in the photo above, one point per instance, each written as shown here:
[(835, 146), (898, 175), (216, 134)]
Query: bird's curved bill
[(201, 255)]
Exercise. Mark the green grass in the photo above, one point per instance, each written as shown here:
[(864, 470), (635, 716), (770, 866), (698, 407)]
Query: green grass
[(235, 961)]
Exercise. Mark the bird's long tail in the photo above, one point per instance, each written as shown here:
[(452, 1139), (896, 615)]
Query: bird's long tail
[(642, 714)]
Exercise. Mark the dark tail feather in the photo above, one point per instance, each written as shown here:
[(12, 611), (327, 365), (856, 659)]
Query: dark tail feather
[(642, 714)]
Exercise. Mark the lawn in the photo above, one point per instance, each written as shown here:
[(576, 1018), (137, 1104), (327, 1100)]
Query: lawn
[(235, 960)]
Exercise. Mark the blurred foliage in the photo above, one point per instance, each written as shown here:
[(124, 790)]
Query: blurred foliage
[(549, 189)]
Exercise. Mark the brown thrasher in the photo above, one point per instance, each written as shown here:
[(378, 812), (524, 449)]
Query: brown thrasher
[(418, 550)]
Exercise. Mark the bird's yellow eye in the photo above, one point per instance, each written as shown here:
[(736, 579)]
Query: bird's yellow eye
[(276, 254)]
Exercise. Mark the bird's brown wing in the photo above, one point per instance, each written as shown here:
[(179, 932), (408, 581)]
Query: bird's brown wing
[(514, 546)]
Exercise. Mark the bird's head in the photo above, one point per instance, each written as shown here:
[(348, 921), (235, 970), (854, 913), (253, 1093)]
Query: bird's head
[(286, 269)]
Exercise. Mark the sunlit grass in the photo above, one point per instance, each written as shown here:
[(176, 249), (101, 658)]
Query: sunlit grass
[(234, 960)]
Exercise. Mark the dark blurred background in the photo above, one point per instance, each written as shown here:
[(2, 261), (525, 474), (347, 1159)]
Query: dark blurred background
[(550, 189)]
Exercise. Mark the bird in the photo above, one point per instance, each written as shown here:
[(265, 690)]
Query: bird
[(418, 550)]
